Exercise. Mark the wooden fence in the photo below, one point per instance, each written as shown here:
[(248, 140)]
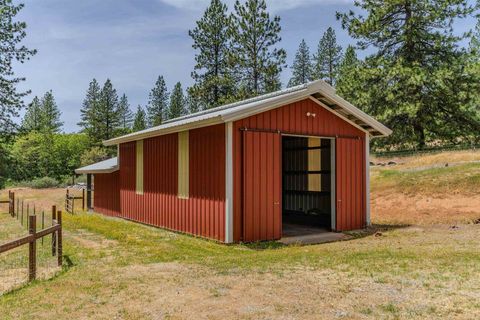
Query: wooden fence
[(11, 202), (70, 201), (55, 230)]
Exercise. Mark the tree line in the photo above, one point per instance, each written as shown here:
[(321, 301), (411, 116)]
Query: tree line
[(415, 76)]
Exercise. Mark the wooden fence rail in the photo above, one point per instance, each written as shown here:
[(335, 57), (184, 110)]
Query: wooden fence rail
[(70, 201), (55, 230)]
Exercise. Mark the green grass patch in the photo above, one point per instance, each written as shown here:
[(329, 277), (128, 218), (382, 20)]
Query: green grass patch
[(463, 178)]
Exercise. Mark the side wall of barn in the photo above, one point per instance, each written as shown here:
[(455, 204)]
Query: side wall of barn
[(203, 212), (106, 195)]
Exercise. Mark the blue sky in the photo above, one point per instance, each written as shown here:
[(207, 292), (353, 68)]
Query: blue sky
[(133, 41)]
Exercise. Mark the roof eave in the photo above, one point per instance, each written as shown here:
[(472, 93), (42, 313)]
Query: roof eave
[(164, 131), (93, 171)]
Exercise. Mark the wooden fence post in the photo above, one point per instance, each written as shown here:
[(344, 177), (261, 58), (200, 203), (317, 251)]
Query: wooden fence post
[(83, 199), (59, 238), (54, 234), (32, 252)]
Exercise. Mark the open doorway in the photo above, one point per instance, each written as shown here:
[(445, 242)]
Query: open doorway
[(308, 184)]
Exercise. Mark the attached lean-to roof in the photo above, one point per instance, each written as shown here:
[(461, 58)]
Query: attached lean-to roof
[(319, 90), (106, 166)]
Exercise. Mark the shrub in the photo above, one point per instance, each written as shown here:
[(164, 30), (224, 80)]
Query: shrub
[(41, 183)]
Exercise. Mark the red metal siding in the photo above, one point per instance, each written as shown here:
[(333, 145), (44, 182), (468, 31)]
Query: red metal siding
[(262, 217), (292, 119), (106, 196), (350, 184), (203, 213)]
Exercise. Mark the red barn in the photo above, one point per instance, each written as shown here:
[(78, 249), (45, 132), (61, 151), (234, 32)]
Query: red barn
[(243, 171)]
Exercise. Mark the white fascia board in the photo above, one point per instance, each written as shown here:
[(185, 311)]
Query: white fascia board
[(357, 113), (86, 171), (163, 131), (321, 104)]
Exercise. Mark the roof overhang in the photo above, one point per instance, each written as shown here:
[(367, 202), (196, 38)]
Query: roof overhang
[(319, 91), (106, 166)]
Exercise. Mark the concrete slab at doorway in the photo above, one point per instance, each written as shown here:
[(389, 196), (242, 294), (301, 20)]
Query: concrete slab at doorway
[(298, 234)]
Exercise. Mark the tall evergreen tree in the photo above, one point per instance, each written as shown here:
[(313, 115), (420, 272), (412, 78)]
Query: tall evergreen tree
[(415, 81), (157, 103), (193, 105), (254, 53), (475, 41), (50, 114), (177, 102), (348, 84), (302, 69), (140, 120), (214, 84), (107, 114), (125, 114), (32, 119), (89, 111), (328, 57), (11, 34)]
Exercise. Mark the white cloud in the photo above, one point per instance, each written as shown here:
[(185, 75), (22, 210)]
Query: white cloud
[(273, 5)]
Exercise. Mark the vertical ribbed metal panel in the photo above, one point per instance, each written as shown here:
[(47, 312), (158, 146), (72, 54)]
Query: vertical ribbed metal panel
[(292, 118), (350, 193), (106, 194), (261, 186), (203, 213)]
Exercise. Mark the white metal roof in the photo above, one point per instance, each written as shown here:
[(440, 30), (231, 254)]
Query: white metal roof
[(106, 166), (319, 90)]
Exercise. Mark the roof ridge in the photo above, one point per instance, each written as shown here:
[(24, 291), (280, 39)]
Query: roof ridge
[(241, 102)]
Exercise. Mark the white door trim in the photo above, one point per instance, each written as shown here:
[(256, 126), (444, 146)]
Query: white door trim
[(367, 179), (229, 182)]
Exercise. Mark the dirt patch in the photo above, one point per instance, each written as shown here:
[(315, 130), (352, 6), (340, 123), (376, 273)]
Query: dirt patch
[(398, 208), (90, 240)]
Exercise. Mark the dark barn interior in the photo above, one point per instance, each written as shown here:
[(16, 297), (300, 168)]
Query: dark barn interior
[(306, 168)]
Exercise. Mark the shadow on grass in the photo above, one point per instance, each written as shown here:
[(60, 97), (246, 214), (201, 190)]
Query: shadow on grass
[(264, 245), (375, 229)]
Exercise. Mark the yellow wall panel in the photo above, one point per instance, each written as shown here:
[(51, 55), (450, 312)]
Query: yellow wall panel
[(183, 165), (314, 164)]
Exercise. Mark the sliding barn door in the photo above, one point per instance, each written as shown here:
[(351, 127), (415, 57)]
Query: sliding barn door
[(262, 210), (350, 184)]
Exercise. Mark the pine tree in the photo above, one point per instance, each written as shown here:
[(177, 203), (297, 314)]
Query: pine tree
[(31, 120), (254, 53), (11, 34), (107, 115), (177, 102), (89, 112), (475, 41), (348, 85), (213, 80), (302, 69), (192, 103), (140, 120), (157, 103), (328, 57), (415, 81), (49, 114), (125, 114)]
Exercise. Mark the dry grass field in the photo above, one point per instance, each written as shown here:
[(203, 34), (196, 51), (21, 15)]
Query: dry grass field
[(422, 261)]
